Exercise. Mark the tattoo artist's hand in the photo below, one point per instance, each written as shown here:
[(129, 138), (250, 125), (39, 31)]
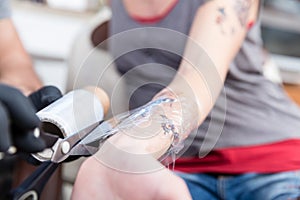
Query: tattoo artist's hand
[(18, 120), (98, 181)]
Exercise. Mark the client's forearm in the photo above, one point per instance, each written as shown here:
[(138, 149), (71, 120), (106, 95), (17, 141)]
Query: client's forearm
[(155, 127)]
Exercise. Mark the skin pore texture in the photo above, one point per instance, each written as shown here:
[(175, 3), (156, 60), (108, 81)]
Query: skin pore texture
[(217, 20)]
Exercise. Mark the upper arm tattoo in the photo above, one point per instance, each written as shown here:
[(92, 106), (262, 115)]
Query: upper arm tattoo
[(242, 8), (220, 20)]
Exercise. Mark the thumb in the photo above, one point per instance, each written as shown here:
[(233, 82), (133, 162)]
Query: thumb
[(44, 96)]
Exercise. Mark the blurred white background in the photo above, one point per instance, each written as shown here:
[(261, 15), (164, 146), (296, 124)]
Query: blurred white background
[(48, 34)]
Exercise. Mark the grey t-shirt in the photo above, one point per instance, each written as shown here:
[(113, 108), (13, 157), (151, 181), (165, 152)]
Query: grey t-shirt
[(4, 9), (250, 110)]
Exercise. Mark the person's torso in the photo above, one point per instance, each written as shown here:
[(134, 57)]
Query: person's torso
[(250, 110)]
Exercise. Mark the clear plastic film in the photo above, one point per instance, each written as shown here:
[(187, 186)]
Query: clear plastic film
[(162, 124), (167, 118)]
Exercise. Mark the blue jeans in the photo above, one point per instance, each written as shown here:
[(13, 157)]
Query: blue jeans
[(250, 186)]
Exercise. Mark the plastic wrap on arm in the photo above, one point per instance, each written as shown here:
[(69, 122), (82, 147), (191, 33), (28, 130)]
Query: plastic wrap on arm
[(165, 118)]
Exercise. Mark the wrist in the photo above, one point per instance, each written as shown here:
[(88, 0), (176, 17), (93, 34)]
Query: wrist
[(139, 142), (25, 86)]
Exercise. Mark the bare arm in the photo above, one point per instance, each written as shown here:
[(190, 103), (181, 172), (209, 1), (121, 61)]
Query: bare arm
[(219, 28), (15, 65)]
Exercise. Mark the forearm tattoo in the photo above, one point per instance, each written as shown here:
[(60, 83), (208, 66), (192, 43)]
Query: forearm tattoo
[(169, 128), (175, 118)]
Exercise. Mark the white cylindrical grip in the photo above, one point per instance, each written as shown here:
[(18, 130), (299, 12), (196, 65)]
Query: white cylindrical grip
[(74, 111)]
